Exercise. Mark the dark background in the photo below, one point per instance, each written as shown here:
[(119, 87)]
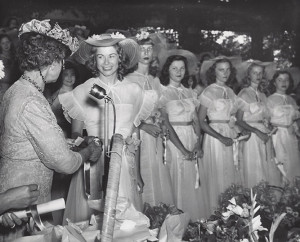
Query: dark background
[(256, 18)]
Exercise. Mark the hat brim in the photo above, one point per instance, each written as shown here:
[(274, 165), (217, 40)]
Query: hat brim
[(235, 60), (129, 46), (191, 58), (242, 68), (103, 43)]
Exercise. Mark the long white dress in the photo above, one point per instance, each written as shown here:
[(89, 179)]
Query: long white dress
[(180, 104), (156, 176), (78, 104), (284, 111), (220, 170), (255, 154)]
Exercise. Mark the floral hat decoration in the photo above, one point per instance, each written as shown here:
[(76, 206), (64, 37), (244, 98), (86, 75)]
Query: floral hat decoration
[(129, 46), (56, 32)]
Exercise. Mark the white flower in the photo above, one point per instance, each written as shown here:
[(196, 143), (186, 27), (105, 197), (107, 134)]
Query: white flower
[(117, 35), (142, 35), (96, 37), (2, 73)]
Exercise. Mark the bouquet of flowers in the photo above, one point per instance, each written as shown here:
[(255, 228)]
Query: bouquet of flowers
[(157, 214)]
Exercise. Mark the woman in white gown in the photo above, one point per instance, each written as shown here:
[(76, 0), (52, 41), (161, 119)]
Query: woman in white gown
[(155, 175), (219, 103), (285, 116), (255, 152), (108, 56), (180, 103)]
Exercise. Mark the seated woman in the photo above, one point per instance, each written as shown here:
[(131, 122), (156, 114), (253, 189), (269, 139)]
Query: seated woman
[(32, 145)]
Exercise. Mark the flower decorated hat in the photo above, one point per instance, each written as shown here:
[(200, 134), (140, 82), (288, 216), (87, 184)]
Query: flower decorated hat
[(156, 39), (129, 46), (44, 27)]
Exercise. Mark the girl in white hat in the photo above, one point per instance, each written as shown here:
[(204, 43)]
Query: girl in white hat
[(109, 56)]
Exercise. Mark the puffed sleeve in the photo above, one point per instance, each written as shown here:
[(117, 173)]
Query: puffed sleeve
[(205, 98), (148, 104), (47, 137), (294, 104), (240, 104), (73, 103), (138, 96)]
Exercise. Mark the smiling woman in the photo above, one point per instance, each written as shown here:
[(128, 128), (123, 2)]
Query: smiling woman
[(108, 56)]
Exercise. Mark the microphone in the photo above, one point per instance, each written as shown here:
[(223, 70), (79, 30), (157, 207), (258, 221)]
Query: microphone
[(99, 92)]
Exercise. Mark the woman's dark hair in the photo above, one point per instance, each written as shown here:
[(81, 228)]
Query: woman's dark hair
[(123, 63), (154, 63), (165, 75), (211, 73), (53, 87), (37, 51), (146, 41), (272, 87), (12, 47)]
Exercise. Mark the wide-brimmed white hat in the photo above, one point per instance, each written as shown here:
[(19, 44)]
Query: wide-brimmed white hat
[(242, 68), (235, 61), (129, 46)]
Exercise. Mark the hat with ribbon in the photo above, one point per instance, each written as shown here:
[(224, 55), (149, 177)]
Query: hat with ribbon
[(44, 27), (191, 58), (242, 69), (129, 46), (235, 60)]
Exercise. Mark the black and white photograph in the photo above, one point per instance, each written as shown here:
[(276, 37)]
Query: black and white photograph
[(158, 120)]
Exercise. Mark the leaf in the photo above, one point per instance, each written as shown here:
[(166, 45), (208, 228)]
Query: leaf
[(275, 225)]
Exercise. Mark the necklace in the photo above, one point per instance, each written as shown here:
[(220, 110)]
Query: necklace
[(27, 78)]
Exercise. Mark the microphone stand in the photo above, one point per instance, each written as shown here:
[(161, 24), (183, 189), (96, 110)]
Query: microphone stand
[(106, 157), (100, 93)]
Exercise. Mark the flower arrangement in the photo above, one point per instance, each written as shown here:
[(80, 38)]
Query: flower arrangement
[(157, 214), (171, 35), (116, 35), (44, 27), (142, 35), (244, 217), (2, 73)]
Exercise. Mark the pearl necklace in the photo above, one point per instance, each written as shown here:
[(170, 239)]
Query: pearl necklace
[(27, 78)]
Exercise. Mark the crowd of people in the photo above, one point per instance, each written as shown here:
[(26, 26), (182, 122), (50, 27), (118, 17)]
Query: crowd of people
[(186, 140)]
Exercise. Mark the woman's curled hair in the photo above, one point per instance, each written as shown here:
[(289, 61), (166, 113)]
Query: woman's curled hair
[(37, 51), (211, 73), (165, 75), (123, 63)]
